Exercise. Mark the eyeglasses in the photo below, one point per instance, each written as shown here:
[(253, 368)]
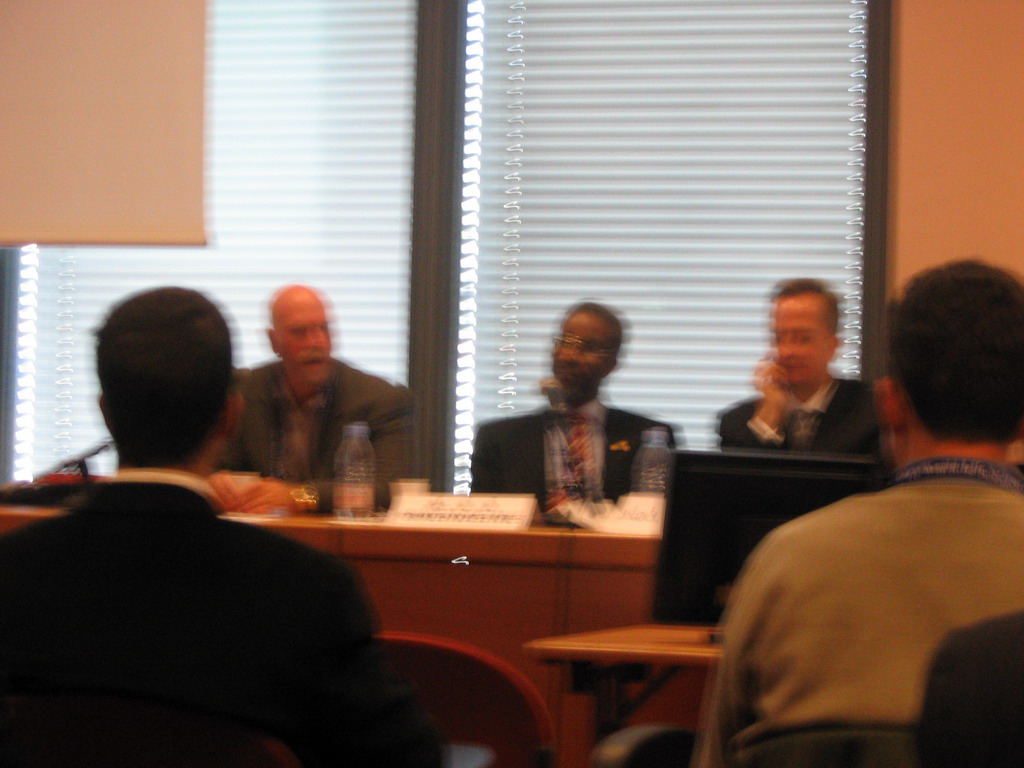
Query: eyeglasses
[(582, 346)]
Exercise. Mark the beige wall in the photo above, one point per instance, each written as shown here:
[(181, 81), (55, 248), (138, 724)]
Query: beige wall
[(101, 139), (957, 162)]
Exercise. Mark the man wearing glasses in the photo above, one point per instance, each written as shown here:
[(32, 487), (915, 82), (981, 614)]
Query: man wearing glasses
[(578, 444)]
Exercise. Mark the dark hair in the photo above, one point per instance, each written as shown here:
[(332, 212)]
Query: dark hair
[(802, 285), (163, 358), (605, 313), (956, 345)]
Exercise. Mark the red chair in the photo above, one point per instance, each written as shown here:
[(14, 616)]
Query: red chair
[(107, 731), (475, 697)]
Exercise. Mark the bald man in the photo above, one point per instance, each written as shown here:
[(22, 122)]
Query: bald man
[(295, 410)]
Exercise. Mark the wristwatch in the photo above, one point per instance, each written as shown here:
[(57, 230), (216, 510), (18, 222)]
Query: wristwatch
[(306, 498)]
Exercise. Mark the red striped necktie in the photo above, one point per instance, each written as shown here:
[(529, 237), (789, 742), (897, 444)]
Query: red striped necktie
[(578, 461)]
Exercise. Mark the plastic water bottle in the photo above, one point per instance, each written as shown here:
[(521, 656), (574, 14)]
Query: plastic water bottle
[(354, 468), (653, 462)]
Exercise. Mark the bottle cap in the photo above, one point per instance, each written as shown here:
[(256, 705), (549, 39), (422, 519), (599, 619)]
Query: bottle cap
[(654, 435), (356, 429)]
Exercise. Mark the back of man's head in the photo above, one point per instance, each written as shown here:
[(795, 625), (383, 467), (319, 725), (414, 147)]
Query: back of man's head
[(956, 345), (163, 358)]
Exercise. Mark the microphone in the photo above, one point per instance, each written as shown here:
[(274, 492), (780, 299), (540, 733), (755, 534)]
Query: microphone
[(553, 391), (57, 485), (78, 461)]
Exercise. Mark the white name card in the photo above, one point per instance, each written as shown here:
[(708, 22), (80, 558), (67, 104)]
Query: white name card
[(637, 514), (478, 512)]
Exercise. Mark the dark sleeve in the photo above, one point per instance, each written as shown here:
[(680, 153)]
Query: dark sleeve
[(254, 419), (387, 410), (486, 462), (391, 434), (733, 431), (365, 714), (850, 424), (389, 417), (974, 700), (672, 443), (232, 457), (870, 442)]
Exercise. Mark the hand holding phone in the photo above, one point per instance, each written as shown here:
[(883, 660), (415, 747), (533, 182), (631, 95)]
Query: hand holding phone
[(771, 381)]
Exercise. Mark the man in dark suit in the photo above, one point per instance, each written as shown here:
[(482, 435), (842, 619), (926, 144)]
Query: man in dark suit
[(799, 405), (974, 702), (522, 454), (143, 591), (296, 409)]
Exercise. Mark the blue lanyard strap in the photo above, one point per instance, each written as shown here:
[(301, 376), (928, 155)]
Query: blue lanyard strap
[(999, 475)]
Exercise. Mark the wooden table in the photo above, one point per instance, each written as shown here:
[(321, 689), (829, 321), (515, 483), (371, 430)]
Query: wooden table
[(605, 662), (516, 587)]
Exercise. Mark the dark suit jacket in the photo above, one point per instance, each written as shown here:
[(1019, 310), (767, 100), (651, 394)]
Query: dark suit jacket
[(145, 591), (848, 426), (509, 454), (974, 705), (358, 396)]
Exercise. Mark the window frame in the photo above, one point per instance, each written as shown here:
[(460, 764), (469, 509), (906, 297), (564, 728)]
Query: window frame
[(434, 245), (875, 268)]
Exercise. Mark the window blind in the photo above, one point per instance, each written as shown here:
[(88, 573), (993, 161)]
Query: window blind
[(673, 158), (309, 157)]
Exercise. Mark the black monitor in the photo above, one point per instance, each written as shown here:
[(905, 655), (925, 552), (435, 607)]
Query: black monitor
[(724, 503)]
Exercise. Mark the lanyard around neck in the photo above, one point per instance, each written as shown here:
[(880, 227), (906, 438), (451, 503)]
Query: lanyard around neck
[(989, 472)]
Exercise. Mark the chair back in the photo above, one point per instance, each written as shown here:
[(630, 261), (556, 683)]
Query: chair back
[(475, 697), (834, 747), (86, 730)]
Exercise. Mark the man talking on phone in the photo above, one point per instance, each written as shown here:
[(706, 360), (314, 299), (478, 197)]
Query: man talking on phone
[(800, 406)]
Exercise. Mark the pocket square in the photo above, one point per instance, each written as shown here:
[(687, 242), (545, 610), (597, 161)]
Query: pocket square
[(622, 445)]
